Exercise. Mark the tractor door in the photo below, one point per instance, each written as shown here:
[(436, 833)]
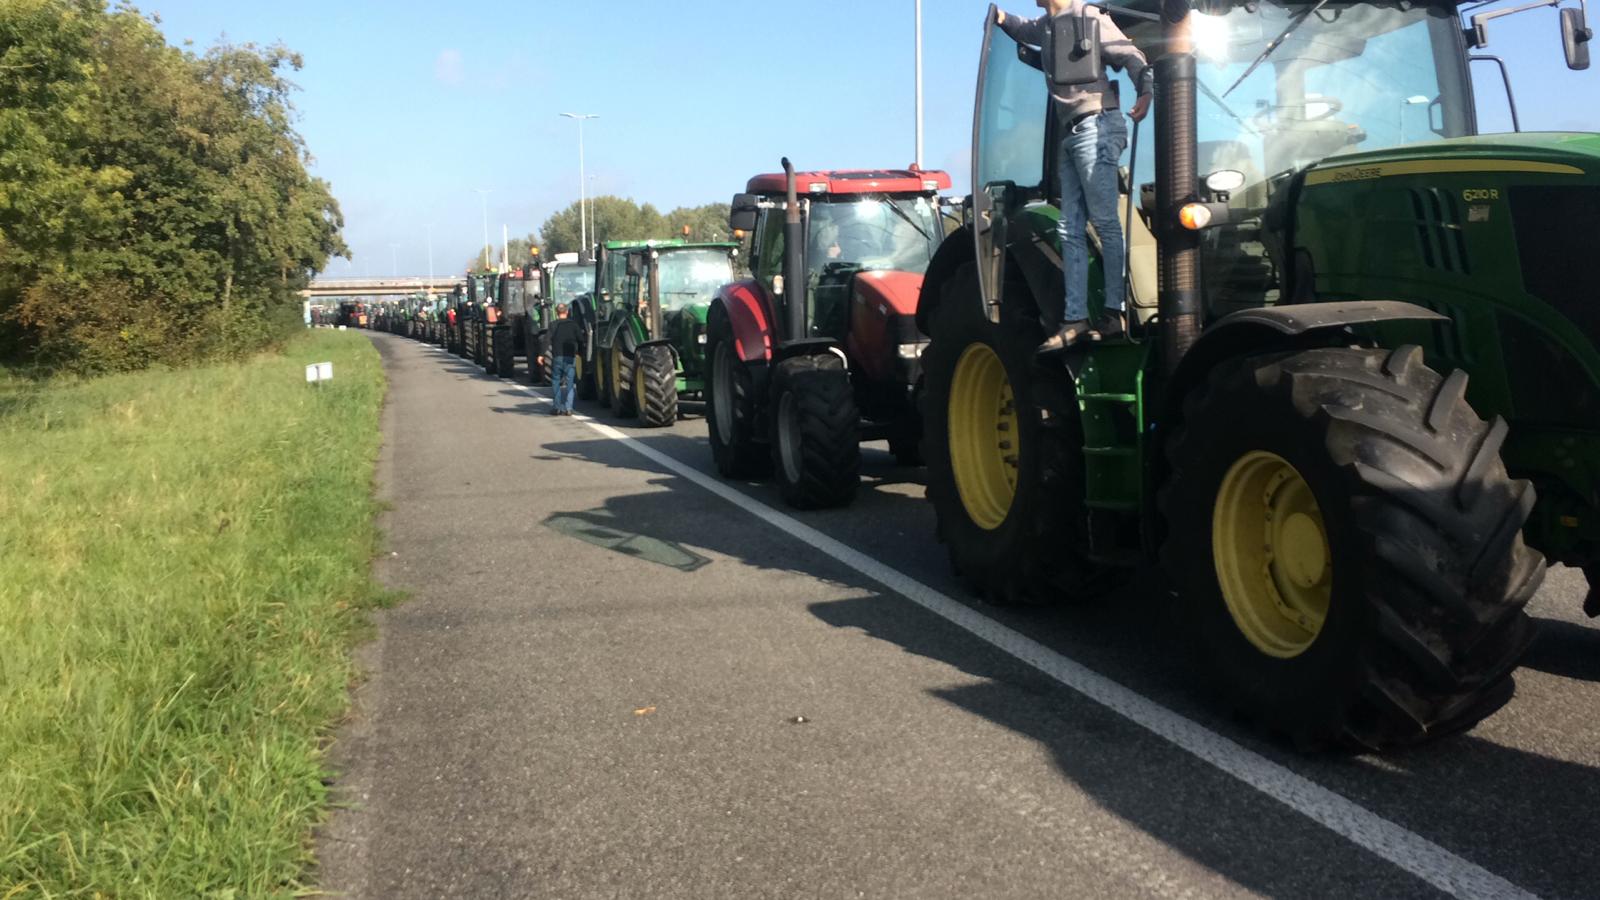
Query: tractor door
[(1008, 153)]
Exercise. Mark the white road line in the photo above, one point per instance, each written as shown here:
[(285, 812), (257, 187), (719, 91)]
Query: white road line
[(1410, 851)]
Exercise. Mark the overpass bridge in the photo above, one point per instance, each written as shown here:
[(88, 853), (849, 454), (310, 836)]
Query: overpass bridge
[(379, 287)]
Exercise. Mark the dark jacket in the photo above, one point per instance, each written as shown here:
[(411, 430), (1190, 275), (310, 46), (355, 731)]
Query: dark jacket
[(565, 337)]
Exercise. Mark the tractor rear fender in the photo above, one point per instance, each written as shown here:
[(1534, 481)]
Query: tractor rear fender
[(956, 250), (750, 314), (810, 347), (1277, 328), (660, 342)]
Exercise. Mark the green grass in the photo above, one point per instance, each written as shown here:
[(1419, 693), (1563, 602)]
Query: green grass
[(184, 565)]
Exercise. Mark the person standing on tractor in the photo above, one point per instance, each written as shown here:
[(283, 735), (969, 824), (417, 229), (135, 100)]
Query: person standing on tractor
[(1093, 136), (564, 339)]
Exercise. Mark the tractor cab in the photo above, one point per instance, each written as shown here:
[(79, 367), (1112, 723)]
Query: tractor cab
[(883, 223)]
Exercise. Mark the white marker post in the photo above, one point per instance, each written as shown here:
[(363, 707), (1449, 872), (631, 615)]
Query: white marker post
[(317, 373)]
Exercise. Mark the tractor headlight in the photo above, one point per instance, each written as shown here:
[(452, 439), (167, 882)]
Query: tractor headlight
[(700, 339), (912, 350)]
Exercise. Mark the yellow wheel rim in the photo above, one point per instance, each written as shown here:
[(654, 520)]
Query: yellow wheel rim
[(983, 436), (577, 368), (616, 371), (1271, 553), (638, 383)]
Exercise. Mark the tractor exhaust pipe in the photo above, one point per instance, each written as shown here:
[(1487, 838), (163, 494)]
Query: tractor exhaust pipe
[(794, 258), (1177, 183)]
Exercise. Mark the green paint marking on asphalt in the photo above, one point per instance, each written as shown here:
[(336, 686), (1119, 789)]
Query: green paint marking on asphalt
[(638, 546)]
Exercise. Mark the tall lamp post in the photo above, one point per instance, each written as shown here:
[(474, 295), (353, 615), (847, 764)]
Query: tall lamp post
[(919, 83), (583, 182), (485, 195)]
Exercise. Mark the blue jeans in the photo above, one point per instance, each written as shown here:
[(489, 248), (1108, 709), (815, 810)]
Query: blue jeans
[(1090, 153), (564, 379)]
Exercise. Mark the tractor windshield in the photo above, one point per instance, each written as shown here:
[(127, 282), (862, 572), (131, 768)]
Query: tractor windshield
[(692, 276), (569, 281), (1348, 76), (874, 232)]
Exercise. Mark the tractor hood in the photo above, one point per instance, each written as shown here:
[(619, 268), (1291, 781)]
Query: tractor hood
[(1552, 153), (890, 292)]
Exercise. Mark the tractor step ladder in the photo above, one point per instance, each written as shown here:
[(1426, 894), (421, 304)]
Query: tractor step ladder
[(1110, 392)]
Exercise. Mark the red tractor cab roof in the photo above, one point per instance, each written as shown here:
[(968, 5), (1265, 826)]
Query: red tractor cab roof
[(855, 181)]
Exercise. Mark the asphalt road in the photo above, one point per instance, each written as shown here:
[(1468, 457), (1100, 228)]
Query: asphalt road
[(618, 676)]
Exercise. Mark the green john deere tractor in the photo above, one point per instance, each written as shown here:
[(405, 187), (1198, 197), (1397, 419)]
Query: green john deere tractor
[(1290, 427), (650, 339), (568, 280)]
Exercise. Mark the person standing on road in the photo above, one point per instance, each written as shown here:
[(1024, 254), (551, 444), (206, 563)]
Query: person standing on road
[(1093, 136), (564, 340)]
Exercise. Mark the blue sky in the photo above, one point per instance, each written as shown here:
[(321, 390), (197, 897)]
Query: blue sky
[(410, 107)]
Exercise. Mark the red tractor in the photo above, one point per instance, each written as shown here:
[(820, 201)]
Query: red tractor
[(819, 349)]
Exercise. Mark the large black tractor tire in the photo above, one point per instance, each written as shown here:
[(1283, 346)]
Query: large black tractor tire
[(480, 346), (539, 348), (602, 376), (505, 360), (731, 404), (655, 385), (1003, 447), (1405, 620), (815, 432), (619, 365)]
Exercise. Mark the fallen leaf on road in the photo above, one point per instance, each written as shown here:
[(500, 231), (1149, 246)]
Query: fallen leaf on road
[(644, 710)]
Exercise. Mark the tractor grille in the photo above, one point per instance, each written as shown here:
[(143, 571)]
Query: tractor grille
[(1439, 230), (1558, 240)]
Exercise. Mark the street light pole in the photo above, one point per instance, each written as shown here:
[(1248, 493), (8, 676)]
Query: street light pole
[(919, 83), (583, 183), (485, 195)]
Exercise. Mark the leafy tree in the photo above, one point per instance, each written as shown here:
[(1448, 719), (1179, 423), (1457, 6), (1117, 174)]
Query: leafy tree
[(620, 219), (705, 223), (157, 207)]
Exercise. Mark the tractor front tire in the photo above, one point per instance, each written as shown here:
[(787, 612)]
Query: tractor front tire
[(1347, 546), (655, 386), (731, 404), (816, 445), (1003, 447), (505, 361)]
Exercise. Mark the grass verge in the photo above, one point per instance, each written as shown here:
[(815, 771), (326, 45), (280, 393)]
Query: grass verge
[(184, 564)]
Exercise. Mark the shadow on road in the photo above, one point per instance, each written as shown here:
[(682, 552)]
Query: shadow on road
[(1567, 649), (1461, 793)]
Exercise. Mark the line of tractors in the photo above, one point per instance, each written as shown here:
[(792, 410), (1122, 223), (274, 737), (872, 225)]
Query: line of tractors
[(1357, 409)]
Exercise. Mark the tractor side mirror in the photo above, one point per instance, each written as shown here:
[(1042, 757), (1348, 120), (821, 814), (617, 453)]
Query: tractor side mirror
[(742, 215), (1575, 37)]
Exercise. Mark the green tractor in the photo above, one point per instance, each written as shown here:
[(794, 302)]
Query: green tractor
[(650, 335), (1290, 427), (568, 280)]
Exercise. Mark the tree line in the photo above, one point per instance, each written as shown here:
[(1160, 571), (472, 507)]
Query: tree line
[(613, 218), (155, 205)]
